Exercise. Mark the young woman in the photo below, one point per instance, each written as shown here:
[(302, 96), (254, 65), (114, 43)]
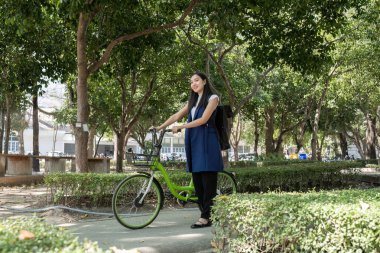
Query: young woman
[(203, 154)]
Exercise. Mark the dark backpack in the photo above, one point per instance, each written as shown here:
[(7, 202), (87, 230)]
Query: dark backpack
[(223, 112)]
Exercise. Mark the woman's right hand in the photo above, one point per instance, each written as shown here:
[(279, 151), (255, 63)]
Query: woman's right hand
[(154, 129)]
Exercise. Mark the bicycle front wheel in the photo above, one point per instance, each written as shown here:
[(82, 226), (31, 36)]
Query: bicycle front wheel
[(137, 201), (226, 183)]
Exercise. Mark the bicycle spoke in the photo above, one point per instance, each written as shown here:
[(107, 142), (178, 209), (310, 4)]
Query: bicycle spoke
[(136, 203), (226, 184)]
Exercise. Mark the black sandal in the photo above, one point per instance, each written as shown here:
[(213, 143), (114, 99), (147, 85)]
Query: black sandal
[(199, 224)]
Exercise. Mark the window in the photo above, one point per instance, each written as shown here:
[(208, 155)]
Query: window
[(178, 150), (13, 143), (165, 150)]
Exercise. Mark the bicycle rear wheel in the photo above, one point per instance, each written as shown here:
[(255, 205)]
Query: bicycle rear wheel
[(135, 204), (226, 183)]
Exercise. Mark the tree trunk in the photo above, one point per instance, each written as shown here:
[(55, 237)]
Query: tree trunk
[(343, 145), (236, 153), (336, 148), (269, 130), (55, 132), (278, 147), (314, 138), (36, 133), (126, 138), (378, 132), (358, 141), (7, 124), (236, 135), (120, 150), (21, 142), (371, 137), (83, 112), (299, 136), (319, 149), (91, 141), (3, 111), (257, 134), (97, 144)]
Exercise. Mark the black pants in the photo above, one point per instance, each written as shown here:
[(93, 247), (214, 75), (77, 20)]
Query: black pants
[(205, 188)]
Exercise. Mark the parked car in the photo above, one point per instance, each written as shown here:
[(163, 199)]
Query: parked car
[(55, 153), (247, 157)]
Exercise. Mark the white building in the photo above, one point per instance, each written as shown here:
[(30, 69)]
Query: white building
[(58, 139)]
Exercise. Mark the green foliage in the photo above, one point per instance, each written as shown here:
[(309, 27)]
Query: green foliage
[(374, 166), (37, 47), (46, 238), (336, 221), (290, 32), (296, 176), (87, 188), (93, 189), (266, 163)]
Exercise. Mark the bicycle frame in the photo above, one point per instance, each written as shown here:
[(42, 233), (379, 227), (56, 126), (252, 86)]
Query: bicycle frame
[(157, 166), (174, 188)]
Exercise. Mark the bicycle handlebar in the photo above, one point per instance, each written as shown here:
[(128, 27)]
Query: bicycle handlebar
[(154, 130), (157, 140)]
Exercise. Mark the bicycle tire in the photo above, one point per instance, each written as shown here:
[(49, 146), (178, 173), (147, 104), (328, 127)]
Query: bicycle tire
[(127, 206), (226, 183)]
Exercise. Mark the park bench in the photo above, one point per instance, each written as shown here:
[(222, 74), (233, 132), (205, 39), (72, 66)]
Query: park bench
[(12, 164)]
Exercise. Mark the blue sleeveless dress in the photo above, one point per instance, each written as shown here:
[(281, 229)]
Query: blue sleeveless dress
[(202, 147)]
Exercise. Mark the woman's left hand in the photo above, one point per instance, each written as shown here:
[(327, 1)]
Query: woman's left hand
[(176, 129)]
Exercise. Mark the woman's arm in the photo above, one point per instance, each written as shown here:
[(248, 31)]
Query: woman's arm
[(212, 104), (175, 117)]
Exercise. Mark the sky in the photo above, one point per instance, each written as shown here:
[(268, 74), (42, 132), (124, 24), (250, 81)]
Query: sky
[(53, 98)]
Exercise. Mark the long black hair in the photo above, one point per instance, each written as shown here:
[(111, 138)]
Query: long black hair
[(208, 90)]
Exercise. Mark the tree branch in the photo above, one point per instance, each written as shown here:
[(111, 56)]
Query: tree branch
[(107, 53), (142, 104), (43, 111), (226, 51), (230, 91), (253, 90)]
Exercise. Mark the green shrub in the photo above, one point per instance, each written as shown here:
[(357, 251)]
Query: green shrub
[(93, 190), (369, 161), (336, 221), (374, 166), (45, 238), (267, 163), (83, 188), (297, 176)]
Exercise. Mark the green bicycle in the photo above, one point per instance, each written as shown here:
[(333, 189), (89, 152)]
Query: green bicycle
[(138, 199)]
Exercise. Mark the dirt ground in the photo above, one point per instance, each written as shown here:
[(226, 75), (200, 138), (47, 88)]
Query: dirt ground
[(34, 197), (38, 197)]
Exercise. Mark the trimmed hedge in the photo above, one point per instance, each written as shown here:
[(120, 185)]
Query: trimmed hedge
[(373, 166), (34, 235), (336, 221), (298, 176), (93, 190), (242, 164), (265, 163)]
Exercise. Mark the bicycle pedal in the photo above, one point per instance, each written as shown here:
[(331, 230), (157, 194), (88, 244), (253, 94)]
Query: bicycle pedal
[(167, 194)]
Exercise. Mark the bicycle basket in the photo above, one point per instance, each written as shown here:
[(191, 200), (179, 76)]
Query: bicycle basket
[(144, 160)]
